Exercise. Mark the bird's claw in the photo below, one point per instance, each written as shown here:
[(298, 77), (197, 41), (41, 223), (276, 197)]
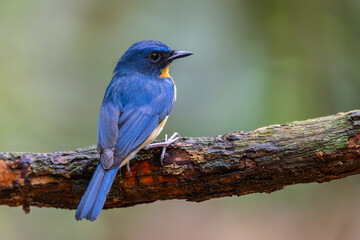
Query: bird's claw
[(128, 167), (164, 145)]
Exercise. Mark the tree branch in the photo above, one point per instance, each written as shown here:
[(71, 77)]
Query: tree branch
[(195, 169)]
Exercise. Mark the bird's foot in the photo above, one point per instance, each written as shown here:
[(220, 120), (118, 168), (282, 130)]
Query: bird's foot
[(164, 145)]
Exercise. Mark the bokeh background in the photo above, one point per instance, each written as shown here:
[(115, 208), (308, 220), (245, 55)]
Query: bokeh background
[(256, 63)]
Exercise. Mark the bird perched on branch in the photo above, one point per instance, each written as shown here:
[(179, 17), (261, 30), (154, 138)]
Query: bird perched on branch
[(136, 105)]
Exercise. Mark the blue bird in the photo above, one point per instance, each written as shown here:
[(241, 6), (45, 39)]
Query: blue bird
[(134, 110)]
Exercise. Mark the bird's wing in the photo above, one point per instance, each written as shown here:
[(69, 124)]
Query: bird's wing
[(135, 128), (137, 124)]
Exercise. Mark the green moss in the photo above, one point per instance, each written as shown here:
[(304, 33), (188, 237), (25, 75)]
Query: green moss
[(267, 131), (334, 141)]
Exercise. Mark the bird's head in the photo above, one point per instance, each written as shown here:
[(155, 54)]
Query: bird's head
[(149, 57)]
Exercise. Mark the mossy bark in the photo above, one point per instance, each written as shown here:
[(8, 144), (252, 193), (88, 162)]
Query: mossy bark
[(196, 169)]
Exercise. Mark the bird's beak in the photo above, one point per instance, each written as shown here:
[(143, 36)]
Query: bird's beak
[(179, 54)]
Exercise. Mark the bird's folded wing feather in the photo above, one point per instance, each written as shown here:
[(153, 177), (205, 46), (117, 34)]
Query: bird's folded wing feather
[(134, 129)]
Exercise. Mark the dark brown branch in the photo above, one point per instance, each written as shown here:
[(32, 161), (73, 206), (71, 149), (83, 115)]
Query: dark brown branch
[(195, 169)]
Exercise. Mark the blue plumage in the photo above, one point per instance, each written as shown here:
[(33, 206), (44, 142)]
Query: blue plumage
[(136, 102)]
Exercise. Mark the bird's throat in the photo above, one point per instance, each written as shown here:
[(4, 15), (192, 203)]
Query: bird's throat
[(165, 72)]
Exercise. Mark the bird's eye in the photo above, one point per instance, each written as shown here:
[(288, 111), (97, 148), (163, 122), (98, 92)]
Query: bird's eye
[(154, 56)]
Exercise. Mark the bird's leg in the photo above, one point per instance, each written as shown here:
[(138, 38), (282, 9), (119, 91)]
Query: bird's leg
[(164, 144)]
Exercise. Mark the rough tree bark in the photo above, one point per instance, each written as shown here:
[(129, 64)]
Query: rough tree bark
[(195, 169)]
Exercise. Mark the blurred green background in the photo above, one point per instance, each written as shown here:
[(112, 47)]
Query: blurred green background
[(256, 63)]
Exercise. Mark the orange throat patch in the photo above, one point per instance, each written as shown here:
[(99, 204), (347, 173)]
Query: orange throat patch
[(165, 72)]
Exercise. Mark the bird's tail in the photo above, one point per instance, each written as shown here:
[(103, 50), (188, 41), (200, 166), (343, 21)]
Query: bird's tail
[(95, 196)]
